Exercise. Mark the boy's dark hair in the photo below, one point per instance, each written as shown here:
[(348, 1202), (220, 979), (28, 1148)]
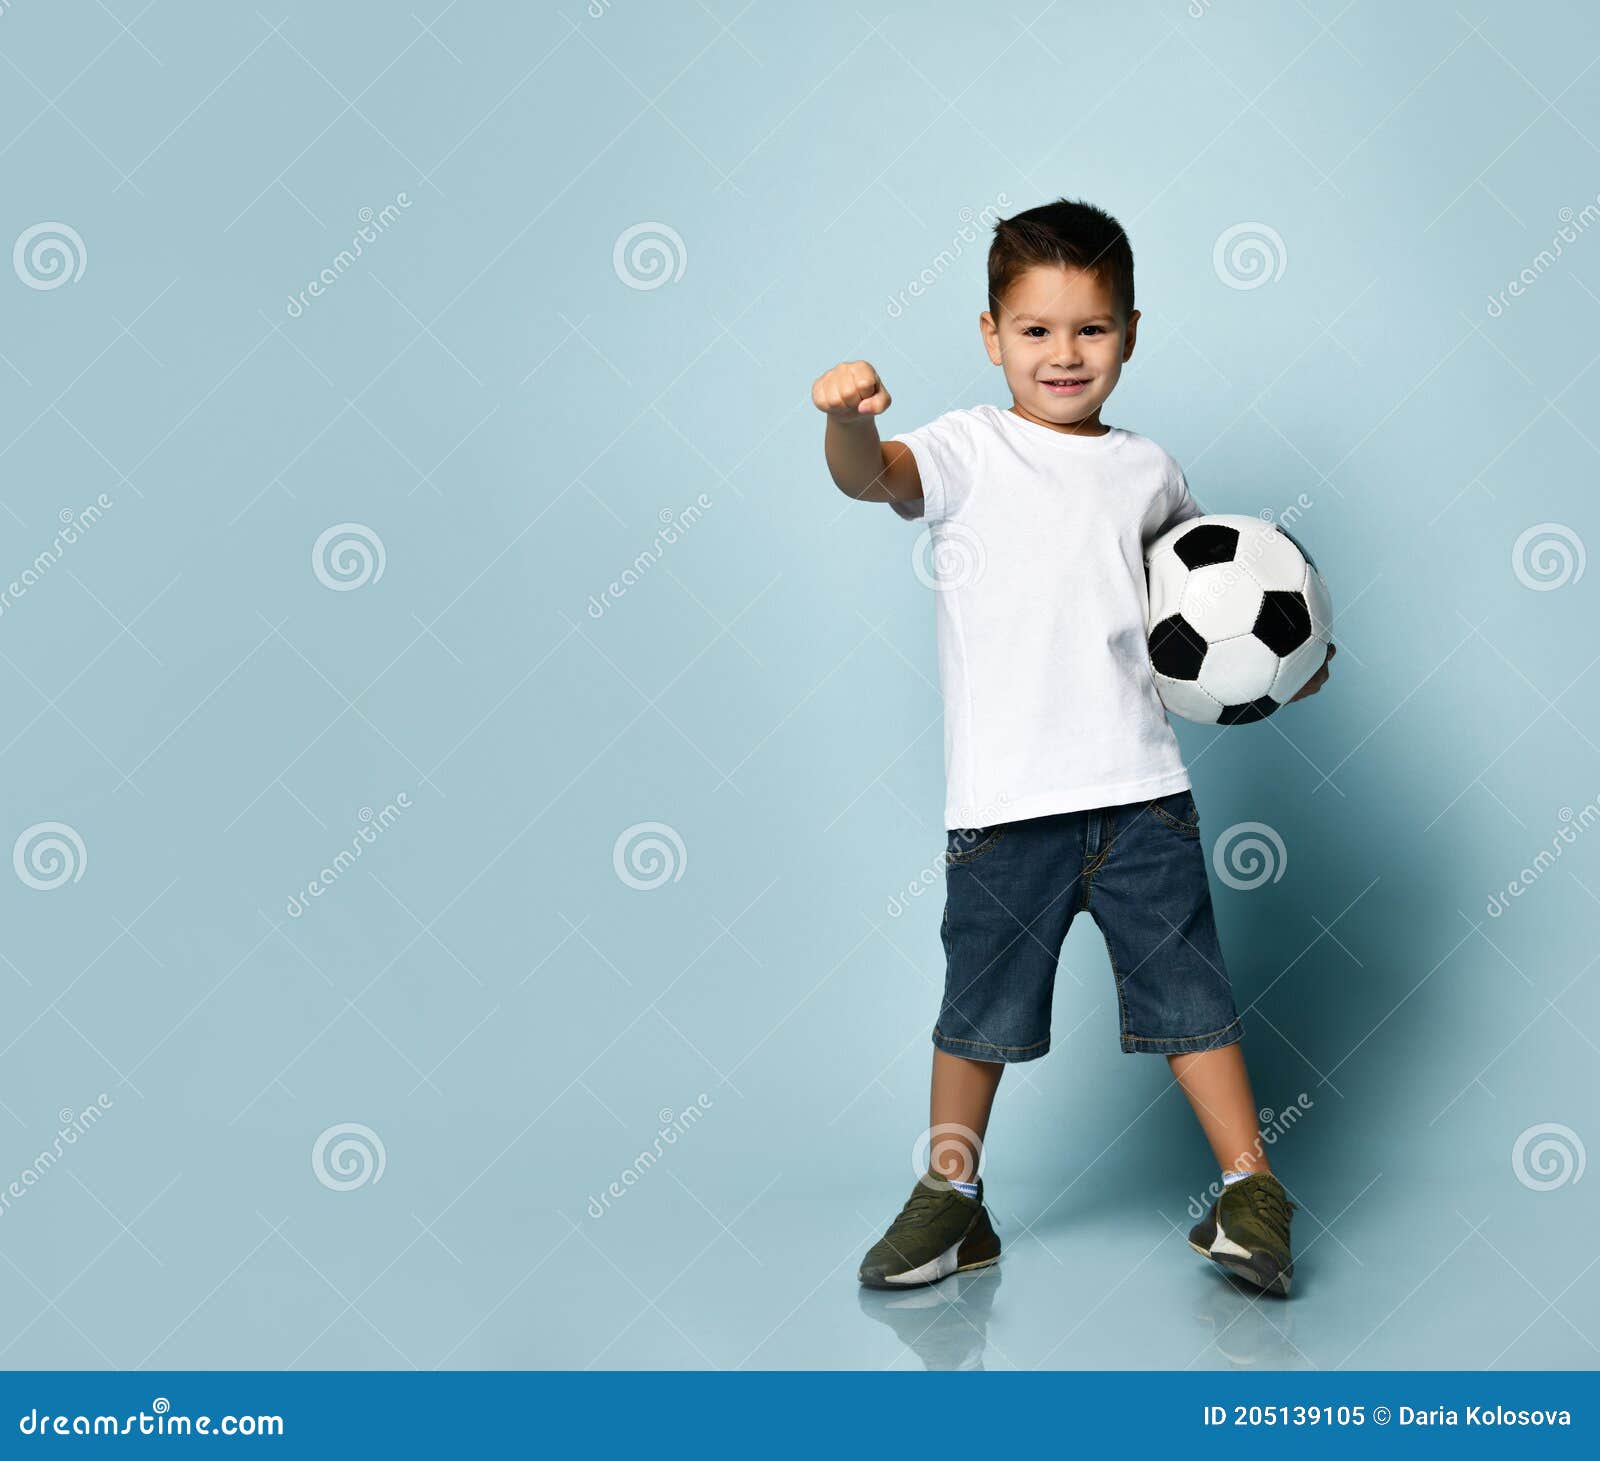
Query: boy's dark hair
[(1073, 235)]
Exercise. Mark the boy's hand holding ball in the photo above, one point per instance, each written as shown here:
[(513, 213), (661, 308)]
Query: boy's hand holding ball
[(1316, 682), (1239, 618)]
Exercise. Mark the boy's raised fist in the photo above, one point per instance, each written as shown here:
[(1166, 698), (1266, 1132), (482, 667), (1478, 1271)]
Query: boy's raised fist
[(850, 391)]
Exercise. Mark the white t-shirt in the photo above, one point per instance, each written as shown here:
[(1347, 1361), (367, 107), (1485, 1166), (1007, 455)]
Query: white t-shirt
[(1037, 559)]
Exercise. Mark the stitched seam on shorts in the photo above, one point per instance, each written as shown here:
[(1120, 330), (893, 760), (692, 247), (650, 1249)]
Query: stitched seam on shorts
[(1172, 821), (1087, 872), (1116, 980), (983, 849), (987, 1044), (1164, 1039)]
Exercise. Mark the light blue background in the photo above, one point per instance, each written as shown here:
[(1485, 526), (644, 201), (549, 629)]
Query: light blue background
[(485, 392)]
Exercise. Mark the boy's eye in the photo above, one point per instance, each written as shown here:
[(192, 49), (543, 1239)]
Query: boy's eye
[(1036, 330)]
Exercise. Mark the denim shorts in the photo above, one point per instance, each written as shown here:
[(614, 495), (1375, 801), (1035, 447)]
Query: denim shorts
[(1139, 870)]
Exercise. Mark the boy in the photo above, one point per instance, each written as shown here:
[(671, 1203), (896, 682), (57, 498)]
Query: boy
[(1066, 790)]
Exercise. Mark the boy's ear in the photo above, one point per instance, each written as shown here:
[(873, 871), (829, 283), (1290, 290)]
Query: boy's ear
[(1131, 334), (991, 336)]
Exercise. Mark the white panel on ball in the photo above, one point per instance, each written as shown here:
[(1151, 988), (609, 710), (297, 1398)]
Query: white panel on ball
[(1320, 605), (1221, 600), (1185, 698), (1239, 670), (1272, 559)]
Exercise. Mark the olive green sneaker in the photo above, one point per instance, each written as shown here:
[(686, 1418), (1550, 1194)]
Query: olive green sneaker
[(1247, 1232), (939, 1232)]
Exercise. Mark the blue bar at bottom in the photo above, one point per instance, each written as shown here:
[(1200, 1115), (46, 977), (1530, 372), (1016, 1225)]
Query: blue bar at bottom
[(782, 1414)]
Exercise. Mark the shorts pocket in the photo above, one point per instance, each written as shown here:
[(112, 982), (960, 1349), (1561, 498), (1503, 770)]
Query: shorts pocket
[(968, 844), (1178, 810)]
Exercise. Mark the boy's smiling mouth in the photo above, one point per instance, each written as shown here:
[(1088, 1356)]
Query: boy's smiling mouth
[(1065, 385)]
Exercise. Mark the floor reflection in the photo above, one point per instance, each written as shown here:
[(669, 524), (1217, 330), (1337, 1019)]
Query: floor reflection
[(1249, 1330), (945, 1324)]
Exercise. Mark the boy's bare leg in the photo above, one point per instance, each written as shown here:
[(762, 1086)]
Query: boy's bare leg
[(1218, 1087), (961, 1097)]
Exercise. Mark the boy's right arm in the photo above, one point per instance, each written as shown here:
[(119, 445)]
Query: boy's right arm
[(862, 466)]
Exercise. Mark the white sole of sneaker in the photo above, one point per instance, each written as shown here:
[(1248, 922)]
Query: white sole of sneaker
[(930, 1272), (1222, 1259)]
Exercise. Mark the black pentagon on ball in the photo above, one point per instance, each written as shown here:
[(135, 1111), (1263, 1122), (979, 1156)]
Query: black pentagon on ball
[(1284, 623), (1244, 714), (1207, 543), (1176, 648)]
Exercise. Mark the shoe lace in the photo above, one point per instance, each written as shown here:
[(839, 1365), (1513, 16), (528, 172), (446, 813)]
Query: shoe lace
[(1268, 1202), (918, 1209)]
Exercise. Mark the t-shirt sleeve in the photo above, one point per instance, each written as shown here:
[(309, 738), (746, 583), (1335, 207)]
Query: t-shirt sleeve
[(943, 451), (1183, 506)]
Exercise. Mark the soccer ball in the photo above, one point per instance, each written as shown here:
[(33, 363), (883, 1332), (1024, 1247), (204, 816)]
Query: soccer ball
[(1239, 618)]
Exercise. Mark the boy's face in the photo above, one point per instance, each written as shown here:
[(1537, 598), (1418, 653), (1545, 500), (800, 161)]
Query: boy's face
[(1055, 325)]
